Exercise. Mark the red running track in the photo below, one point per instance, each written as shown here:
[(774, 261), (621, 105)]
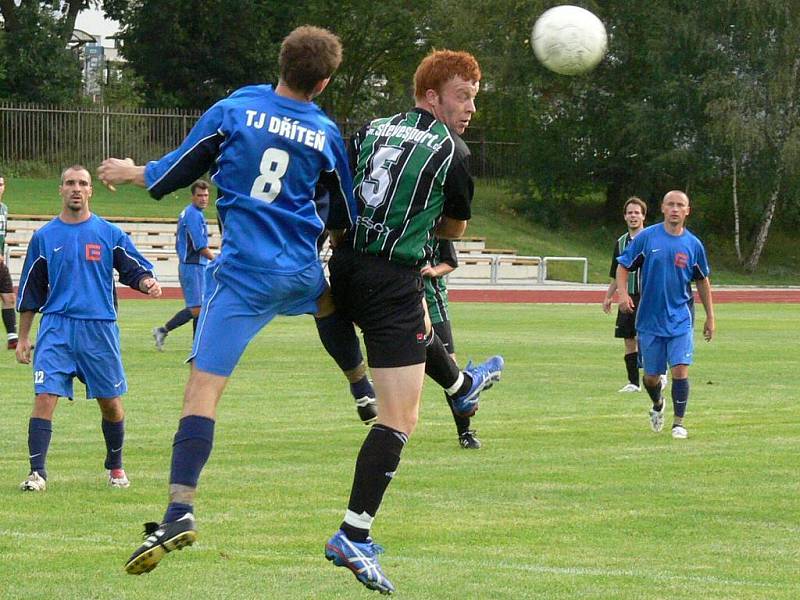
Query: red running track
[(558, 296)]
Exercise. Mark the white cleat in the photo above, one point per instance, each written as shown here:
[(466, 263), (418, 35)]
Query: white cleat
[(657, 418), (679, 432), (630, 387), (33, 483), (663, 379), (118, 479)]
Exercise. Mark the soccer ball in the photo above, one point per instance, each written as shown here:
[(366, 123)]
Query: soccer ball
[(569, 40)]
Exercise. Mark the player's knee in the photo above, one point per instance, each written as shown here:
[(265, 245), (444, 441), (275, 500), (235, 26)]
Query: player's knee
[(111, 409), (44, 405)]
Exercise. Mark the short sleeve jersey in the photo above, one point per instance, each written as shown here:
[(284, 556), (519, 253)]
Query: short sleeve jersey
[(3, 227), (443, 251), (634, 282), (668, 263), (266, 153), (191, 236), (69, 269), (409, 170)]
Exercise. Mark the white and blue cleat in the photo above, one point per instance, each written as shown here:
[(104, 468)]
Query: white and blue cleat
[(484, 376), (361, 558)]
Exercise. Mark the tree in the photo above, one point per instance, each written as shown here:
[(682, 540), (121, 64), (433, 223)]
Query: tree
[(752, 103), (38, 65)]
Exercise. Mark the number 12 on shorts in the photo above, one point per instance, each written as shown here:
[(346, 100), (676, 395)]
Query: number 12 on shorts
[(274, 163)]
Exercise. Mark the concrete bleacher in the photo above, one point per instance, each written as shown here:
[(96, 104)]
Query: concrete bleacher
[(479, 265)]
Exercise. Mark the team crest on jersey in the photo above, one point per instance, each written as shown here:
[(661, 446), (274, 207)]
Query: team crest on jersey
[(93, 252), (681, 260)]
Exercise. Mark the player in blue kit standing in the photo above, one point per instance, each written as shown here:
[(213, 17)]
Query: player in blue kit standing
[(670, 258), (68, 277), (268, 149), (191, 244)]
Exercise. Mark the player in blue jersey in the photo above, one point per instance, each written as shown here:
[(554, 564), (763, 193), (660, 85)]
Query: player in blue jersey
[(191, 244), (68, 277), (268, 149), (670, 258)]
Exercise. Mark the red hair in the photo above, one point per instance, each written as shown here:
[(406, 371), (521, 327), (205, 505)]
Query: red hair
[(440, 66)]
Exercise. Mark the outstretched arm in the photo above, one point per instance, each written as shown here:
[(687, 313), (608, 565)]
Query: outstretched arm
[(114, 171)]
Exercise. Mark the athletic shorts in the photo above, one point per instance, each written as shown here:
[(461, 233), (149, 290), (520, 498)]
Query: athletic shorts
[(239, 301), (657, 351), (626, 322), (89, 350), (6, 285), (192, 278), (385, 300), (445, 333)]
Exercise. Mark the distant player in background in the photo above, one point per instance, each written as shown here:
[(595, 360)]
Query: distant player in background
[(444, 260), (191, 244), (669, 257), (7, 295), (634, 212), (68, 277), (268, 148), (412, 182)]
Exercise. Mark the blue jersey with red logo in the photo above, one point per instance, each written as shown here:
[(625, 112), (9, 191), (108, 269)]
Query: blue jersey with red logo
[(192, 236), (668, 264), (267, 154), (69, 269)]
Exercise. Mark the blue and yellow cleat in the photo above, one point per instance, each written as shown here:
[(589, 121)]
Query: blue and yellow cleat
[(361, 558), (484, 376)]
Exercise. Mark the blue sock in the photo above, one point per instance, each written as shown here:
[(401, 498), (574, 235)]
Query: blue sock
[(680, 396), (362, 388), (338, 335), (175, 510), (114, 434), (39, 433)]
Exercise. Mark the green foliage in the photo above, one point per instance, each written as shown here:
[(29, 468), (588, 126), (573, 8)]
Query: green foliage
[(571, 496), (38, 66)]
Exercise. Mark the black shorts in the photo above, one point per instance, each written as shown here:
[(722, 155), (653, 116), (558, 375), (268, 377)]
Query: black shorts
[(626, 322), (6, 285), (445, 333), (385, 300)]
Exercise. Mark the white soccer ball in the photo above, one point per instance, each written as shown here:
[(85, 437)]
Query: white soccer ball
[(569, 40)]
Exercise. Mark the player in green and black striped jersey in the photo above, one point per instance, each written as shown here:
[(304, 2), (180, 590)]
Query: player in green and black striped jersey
[(444, 260), (634, 212), (9, 299), (411, 183)]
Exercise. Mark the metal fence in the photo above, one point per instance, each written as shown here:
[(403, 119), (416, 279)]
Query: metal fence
[(43, 135)]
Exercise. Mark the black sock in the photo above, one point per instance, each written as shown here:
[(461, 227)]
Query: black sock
[(439, 365), (376, 465), (655, 392), (632, 366), (10, 320), (338, 336), (462, 423), (180, 318)]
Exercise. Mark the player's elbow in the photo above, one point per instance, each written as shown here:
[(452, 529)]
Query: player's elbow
[(450, 229)]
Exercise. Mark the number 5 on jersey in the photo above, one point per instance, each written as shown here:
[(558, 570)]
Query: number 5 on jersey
[(267, 185), (379, 178)]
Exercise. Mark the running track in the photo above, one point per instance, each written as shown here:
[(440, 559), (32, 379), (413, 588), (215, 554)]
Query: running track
[(578, 296)]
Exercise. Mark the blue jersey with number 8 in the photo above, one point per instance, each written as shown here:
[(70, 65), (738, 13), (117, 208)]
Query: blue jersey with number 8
[(267, 154)]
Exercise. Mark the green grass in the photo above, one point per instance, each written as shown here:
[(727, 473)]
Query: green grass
[(571, 497)]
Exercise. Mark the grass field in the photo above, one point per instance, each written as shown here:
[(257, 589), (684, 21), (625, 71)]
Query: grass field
[(571, 497)]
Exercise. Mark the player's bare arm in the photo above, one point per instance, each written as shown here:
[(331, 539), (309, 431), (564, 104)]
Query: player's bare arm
[(450, 229), (24, 346), (625, 301), (612, 289), (704, 291), (114, 171)]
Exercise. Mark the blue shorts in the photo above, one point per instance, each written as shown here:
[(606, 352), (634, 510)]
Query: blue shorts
[(656, 351), (240, 301), (192, 278), (89, 350)]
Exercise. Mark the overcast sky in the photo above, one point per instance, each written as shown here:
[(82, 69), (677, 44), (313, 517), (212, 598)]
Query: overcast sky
[(92, 21)]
